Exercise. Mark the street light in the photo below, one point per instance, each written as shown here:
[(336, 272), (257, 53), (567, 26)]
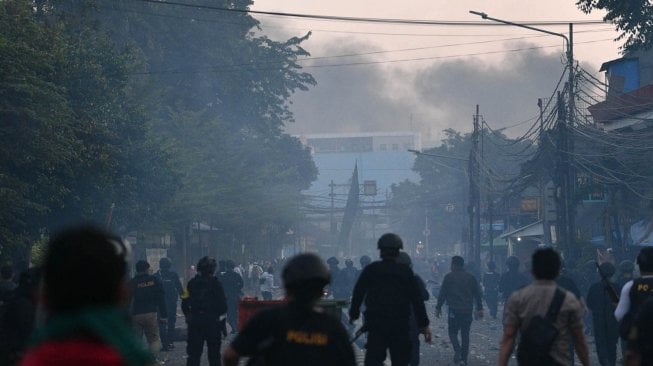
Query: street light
[(565, 148)]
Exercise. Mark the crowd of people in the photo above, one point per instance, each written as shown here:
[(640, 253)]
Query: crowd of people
[(80, 307)]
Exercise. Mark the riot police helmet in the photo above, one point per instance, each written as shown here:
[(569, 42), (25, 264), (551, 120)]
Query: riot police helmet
[(626, 266), (165, 263), (303, 269), (333, 261), (207, 265), (607, 269), (364, 261), (390, 241)]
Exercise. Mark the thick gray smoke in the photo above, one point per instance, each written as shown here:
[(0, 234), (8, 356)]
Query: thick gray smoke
[(379, 97)]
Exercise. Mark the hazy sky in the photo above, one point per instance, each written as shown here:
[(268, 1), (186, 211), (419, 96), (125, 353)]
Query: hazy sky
[(389, 77)]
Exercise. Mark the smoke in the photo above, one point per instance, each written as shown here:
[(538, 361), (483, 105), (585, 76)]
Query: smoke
[(386, 97)]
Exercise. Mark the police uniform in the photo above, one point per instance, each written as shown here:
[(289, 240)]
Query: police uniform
[(389, 290), (290, 336), (203, 305), (147, 301)]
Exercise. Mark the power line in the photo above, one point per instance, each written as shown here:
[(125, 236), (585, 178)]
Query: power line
[(362, 19)]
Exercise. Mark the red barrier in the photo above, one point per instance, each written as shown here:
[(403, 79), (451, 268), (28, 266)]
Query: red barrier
[(248, 306)]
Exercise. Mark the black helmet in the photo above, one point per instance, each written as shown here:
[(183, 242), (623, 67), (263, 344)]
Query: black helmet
[(626, 266), (207, 265), (404, 259), (333, 261), (349, 263), (165, 263), (512, 262), (365, 260), (390, 241), (304, 268)]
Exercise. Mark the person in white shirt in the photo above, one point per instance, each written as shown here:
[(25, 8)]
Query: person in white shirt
[(267, 284)]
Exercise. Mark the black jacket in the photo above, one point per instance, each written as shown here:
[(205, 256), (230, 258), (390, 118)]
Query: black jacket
[(206, 298), (147, 295)]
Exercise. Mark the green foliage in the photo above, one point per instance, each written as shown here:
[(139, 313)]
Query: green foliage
[(631, 17)]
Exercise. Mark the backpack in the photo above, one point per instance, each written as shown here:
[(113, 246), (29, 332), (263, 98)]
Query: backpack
[(536, 341)]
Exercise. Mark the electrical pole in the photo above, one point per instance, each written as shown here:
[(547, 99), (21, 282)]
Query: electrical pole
[(474, 195), (333, 220)]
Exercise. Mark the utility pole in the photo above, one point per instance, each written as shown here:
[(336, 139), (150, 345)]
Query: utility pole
[(332, 186), (474, 195)]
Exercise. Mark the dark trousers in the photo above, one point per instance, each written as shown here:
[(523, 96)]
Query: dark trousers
[(606, 343), (384, 336), (414, 342), (167, 332), (232, 313), (492, 301), (200, 331), (460, 321)]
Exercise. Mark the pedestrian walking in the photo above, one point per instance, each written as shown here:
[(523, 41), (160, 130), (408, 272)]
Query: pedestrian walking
[(295, 334), (460, 291), (148, 306), (512, 279), (203, 305), (556, 315), (601, 305), (389, 291), (83, 289), (172, 290), (232, 283), (491, 288)]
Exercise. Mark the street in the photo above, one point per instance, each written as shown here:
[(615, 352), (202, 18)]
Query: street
[(485, 336)]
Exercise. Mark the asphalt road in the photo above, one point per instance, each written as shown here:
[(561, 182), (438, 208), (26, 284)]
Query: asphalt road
[(484, 345)]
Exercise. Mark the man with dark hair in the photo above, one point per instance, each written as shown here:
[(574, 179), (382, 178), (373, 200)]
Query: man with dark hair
[(512, 279), (635, 292), (295, 334), (389, 290), (460, 290), (84, 293), (148, 305), (203, 307), (535, 300), (172, 290)]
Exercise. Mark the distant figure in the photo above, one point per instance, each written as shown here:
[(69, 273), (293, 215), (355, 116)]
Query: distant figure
[(84, 299), (404, 259), (203, 307), (267, 284), (255, 273), (606, 328), (626, 273), (535, 300), (461, 291), (172, 290), (491, 288), (7, 283), (512, 279), (190, 273), (17, 317), (348, 277), (336, 288), (295, 334), (232, 283), (389, 290), (148, 306)]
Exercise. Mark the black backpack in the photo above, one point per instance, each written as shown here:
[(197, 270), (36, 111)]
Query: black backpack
[(536, 341)]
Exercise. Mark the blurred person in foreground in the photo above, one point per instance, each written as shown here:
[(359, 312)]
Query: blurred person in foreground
[(535, 300), (84, 299), (296, 333)]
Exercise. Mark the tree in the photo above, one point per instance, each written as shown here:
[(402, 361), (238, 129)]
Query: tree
[(631, 17)]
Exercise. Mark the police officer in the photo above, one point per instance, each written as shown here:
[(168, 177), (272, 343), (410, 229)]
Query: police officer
[(635, 292), (172, 290), (404, 259), (148, 301), (389, 290), (203, 306), (295, 334), (233, 287)]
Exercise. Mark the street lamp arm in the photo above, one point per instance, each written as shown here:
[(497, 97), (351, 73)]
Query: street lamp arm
[(417, 152), (485, 16)]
